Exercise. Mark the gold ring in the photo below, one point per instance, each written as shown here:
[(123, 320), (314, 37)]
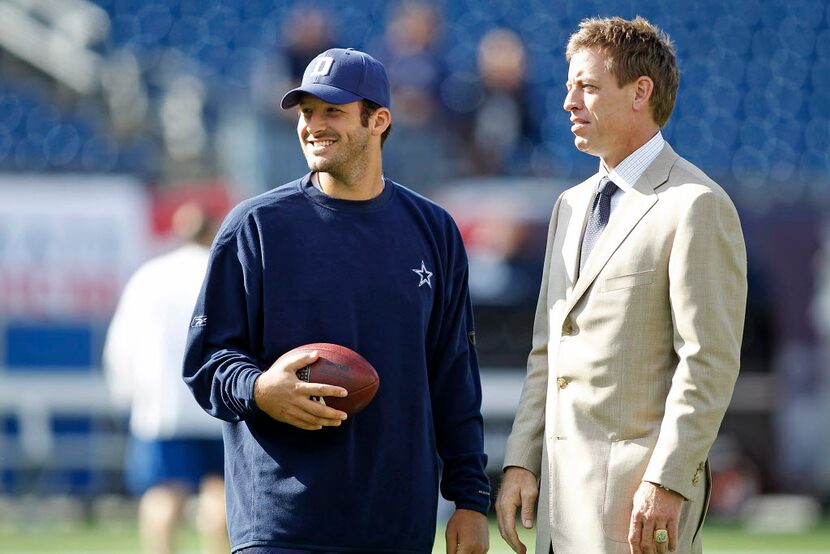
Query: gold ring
[(661, 536)]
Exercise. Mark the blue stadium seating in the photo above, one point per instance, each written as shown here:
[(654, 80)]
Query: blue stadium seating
[(753, 108)]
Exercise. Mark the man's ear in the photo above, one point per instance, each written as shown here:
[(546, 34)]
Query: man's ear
[(643, 89), (381, 120)]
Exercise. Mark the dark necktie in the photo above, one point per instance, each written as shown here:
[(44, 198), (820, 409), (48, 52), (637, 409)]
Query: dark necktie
[(598, 219)]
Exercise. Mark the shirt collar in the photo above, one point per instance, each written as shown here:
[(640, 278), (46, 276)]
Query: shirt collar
[(629, 171)]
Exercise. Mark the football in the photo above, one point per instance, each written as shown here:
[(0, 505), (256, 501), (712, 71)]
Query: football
[(343, 367)]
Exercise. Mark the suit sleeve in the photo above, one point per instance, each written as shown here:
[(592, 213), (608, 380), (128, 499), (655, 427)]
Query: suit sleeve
[(220, 366), (524, 445), (707, 289), (455, 388)]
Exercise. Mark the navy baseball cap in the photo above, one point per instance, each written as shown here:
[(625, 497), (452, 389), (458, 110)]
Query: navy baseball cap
[(342, 76)]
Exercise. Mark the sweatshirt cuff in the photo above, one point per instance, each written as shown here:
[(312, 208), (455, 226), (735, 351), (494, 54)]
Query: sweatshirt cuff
[(479, 503), (245, 381)]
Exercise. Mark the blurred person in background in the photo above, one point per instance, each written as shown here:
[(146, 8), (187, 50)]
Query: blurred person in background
[(637, 335), (812, 429), (303, 34), (251, 130), (337, 256), (497, 126), (175, 448), (411, 50)]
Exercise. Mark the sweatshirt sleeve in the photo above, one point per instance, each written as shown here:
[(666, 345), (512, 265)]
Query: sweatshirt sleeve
[(456, 392), (220, 364)]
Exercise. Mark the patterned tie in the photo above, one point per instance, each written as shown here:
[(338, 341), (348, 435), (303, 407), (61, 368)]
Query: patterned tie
[(600, 212)]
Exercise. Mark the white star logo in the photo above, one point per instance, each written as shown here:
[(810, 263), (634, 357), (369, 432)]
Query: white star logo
[(424, 274)]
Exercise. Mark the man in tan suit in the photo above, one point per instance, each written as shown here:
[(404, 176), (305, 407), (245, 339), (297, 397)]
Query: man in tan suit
[(638, 328)]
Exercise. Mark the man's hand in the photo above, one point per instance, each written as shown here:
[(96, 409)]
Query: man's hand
[(467, 533), (654, 508), (280, 394), (518, 490)]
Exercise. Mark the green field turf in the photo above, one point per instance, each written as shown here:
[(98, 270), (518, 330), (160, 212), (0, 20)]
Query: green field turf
[(101, 539)]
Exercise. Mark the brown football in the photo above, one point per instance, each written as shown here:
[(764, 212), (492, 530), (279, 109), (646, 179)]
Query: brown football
[(343, 367)]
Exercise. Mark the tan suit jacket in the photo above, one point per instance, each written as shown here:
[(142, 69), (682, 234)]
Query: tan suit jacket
[(634, 361)]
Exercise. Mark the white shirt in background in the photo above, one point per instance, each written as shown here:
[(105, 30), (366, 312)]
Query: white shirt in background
[(145, 345)]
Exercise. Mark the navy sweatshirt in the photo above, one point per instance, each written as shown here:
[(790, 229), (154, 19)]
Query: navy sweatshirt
[(386, 277)]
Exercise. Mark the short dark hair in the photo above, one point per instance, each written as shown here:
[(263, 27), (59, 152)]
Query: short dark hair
[(367, 108), (634, 48)]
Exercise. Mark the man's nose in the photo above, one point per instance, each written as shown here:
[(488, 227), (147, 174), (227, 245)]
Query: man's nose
[(571, 100)]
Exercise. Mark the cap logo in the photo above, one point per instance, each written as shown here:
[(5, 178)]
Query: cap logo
[(323, 66)]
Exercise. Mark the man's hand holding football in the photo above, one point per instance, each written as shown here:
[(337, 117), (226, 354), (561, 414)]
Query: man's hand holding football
[(282, 395)]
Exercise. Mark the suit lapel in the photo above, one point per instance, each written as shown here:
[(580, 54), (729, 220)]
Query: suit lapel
[(633, 206), (570, 249)]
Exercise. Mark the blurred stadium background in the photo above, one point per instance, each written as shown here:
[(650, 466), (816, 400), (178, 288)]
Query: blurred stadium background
[(113, 112)]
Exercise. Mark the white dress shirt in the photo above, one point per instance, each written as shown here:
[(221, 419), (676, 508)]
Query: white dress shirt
[(628, 171)]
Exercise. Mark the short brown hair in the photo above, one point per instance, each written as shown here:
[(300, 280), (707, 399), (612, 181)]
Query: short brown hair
[(367, 108), (634, 49)]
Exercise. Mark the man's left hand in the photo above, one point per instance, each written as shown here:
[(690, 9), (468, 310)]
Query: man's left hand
[(467, 533), (654, 508)]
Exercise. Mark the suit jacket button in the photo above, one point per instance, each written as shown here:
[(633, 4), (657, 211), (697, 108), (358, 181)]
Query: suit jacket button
[(562, 382)]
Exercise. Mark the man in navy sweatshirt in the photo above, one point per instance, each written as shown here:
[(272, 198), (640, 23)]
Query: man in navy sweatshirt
[(346, 256)]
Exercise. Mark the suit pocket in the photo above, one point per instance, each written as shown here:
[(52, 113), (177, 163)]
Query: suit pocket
[(627, 463), (628, 281)]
